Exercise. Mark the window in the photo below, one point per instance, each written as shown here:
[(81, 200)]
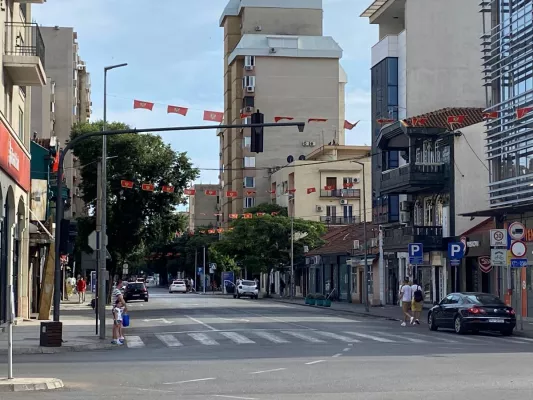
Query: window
[(248, 101), (249, 162), (249, 182), (21, 124), (331, 211), (249, 61), (246, 141), (248, 81), (392, 160), (249, 202), (394, 208)]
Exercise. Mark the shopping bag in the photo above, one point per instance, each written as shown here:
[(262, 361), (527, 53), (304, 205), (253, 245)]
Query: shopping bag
[(125, 320)]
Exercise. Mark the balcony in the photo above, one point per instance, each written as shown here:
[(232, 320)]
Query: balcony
[(24, 54), (413, 178), (342, 193), (340, 220), (397, 239)]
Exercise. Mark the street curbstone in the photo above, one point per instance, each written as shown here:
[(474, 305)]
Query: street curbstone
[(62, 349), (29, 384)]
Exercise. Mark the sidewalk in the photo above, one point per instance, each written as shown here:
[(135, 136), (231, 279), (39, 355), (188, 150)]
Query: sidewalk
[(391, 313), (79, 333)]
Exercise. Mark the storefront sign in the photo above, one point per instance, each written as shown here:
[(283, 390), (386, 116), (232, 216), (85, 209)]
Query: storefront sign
[(485, 264), (528, 237), (473, 243), (13, 160)]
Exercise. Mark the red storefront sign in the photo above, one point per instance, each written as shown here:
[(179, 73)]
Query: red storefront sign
[(13, 160)]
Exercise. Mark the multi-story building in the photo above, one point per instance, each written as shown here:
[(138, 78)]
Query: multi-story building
[(328, 185), (204, 207), (69, 103), (23, 61), (262, 38), (425, 90)]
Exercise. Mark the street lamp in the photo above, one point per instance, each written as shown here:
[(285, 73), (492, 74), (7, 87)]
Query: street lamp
[(103, 213), (365, 291)]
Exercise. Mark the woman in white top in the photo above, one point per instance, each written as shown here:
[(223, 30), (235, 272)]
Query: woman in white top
[(406, 296)]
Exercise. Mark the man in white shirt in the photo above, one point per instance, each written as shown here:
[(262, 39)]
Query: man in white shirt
[(406, 296)]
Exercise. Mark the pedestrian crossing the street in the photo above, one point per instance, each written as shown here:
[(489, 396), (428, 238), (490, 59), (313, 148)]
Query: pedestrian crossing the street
[(280, 337)]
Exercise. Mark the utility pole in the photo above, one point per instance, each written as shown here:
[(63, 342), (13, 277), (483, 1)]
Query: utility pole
[(366, 280), (101, 242), (195, 274), (203, 277), (98, 238), (292, 250)]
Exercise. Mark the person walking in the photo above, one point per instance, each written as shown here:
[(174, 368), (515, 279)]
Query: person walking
[(119, 308), (81, 287), (417, 302), (406, 297)]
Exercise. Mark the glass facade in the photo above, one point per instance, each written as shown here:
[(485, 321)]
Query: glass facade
[(508, 68), (384, 106)]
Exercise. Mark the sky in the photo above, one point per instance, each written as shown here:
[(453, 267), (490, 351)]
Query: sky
[(174, 51)]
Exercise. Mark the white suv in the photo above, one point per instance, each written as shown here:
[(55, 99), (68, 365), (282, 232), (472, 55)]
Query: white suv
[(246, 288), (178, 286)]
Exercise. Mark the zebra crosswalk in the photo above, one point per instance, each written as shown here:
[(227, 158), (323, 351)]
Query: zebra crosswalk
[(279, 337)]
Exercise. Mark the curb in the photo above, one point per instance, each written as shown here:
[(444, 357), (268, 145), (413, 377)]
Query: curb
[(29, 384), (56, 350), (362, 314), (518, 333)]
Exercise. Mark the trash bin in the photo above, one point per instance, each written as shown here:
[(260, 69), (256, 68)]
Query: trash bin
[(51, 334)]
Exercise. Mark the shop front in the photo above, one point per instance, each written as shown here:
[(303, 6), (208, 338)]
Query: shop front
[(477, 273)]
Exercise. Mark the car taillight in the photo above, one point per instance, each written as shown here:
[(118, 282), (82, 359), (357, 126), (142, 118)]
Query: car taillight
[(511, 311), (476, 310)]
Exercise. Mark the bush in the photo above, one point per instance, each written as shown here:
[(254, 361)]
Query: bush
[(310, 296), (320, 297)]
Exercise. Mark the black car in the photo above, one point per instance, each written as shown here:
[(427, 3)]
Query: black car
[(474, 312), (135, 291)]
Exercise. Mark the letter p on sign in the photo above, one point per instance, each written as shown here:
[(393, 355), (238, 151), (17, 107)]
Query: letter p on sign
[(455, 251)]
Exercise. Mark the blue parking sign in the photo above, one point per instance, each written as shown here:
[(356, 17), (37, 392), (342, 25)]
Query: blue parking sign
[(456, 251), (416, 253)]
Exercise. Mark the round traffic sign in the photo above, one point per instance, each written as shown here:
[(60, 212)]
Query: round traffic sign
[(498, 236), (517, 230), (518, 249)]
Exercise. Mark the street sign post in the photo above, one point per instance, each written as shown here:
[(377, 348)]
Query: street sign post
[(456, 252), (517, 231), (416, 253), (498, 238), (518, 262), (498, 257), (93, 240)]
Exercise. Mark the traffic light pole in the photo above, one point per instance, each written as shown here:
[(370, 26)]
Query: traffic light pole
[(70, 145)]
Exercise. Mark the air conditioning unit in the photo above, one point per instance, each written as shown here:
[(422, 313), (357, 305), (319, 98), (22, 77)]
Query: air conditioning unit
[(343, 202), (249, 67), (355, 180), (405, 217), (319, 208), (405, 206), (312, 144), (306, 249), (250, 89), (356, 245)]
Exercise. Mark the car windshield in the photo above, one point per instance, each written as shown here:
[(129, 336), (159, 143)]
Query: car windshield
[(484, 299), (135, 286), (178, 282), (248, 283)]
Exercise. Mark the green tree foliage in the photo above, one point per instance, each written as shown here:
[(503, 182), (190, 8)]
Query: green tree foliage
[(135, 218)]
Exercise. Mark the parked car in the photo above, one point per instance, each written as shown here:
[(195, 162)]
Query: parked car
[(150, 282), (178, 285), (470, 311), (136, 291), (246, 288)]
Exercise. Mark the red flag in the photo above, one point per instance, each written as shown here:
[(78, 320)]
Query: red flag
[(317, 120), (147, 187), (189, 192), (260, 214), (210, 192), (55, 166), (168, 189), (521, 112), (274, 213), (247, 216), (143, 104), (220, 230), (456, 119), (277, 119), (347, 185), (383, 121), (231, 193), (233, 216), (271, 191), (245, 115), (213, 116), (177, 110), (348, 125), (311, 190), (419, 121), (211, 231), (250, 193), (490, 115), (126, 184), (329, 187), (291, 190)]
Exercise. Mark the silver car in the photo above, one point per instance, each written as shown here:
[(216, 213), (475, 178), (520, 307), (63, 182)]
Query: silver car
[(246, 288)]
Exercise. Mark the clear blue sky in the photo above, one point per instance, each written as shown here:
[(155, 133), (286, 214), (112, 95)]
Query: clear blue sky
[(174, 51)]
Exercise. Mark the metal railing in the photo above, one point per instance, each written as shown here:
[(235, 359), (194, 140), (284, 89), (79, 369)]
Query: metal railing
[(339, 220), (346, 193), (24, 39)]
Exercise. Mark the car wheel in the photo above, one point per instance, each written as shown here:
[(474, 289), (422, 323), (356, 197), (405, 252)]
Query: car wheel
[(238, 296), (431, 323), (234, 296), (507, 332), (146, 300), (458, 325)]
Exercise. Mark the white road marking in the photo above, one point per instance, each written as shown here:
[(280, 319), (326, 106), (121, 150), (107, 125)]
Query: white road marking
[(204, 339), (239, 339), (154, 390), (436, 337), (314, 362), (169, 340), (303, 336), (268, 370), (404, 337), (236, 319), (134, 341), (165, 321), (519, 341), (337, 355), (191, 380), (201, 323), (372, 337), (346, 349), (270, 336), (523, 338), (234, 397), (339, 337)]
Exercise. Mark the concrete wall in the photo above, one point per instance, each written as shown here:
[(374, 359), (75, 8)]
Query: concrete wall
[(471, 176), (282, 21), (41, 111), (202, 208)]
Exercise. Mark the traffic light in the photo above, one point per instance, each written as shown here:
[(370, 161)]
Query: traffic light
[(256, 144)]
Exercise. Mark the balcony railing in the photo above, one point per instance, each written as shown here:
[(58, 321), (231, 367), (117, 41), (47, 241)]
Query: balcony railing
[(340, 220), (24, 39), (344, 193), (399, 238), (412, 178)]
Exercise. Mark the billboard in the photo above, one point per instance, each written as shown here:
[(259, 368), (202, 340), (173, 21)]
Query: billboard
[(38, 199)]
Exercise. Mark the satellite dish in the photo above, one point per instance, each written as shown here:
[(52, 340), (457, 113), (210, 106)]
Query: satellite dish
[(301, 158), (290, 159)]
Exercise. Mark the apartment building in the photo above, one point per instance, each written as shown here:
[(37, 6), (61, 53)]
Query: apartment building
[(263, 38), (68, 100), (23, 61), (427, 141), (204, 207), (328, 185)]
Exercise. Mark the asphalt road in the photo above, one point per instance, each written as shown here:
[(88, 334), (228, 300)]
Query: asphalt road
[(212, 347)]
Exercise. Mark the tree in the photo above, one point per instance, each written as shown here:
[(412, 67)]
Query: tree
[(134, 216)]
